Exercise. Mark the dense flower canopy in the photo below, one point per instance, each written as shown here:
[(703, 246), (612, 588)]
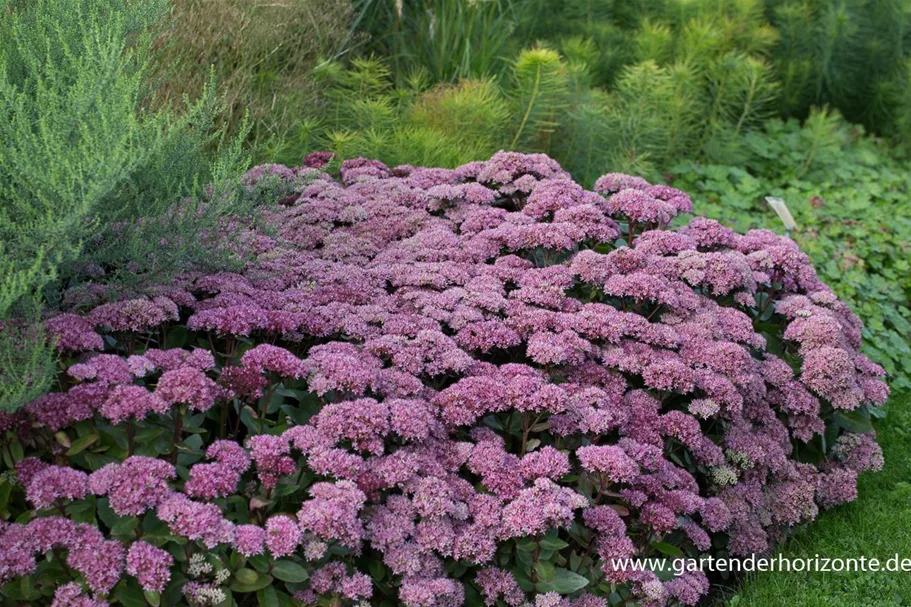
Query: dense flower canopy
[(447, 387)]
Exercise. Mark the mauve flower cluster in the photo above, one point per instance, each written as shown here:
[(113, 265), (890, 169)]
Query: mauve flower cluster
[(501, 360)]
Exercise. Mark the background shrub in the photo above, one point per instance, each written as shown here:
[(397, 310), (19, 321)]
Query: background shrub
[(850, 55), (262, 56), (89, 181), (447, 40)]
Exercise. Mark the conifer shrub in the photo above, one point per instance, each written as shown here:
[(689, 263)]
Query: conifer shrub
[(437, 387), (91, 181)]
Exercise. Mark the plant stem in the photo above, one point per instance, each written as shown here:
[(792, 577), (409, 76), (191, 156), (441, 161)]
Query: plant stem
[(178, 432), (531, 104)]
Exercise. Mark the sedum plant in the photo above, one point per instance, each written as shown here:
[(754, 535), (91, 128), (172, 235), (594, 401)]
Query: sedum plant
[(435, 387), (846, 190)]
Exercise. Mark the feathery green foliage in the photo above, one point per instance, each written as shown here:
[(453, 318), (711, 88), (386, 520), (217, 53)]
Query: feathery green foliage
[(82, 163), (849, 54), (539, 97), (444, 124)]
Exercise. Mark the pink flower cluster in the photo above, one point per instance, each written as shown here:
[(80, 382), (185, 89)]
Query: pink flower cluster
[(494, 368)]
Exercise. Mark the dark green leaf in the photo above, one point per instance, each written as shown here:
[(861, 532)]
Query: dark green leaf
[(667, 549), (852, 421), (564, 582), (81, 444), (267, 597), (246, 576), (262, 582), (289, 571)]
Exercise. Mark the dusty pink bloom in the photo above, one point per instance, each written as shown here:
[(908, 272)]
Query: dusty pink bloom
[(73, 333), (56, 483), (640, 207), (249, 540), (546, 462), (332, 514), (431, 592), (542, 507), (134, 314), (27, 468), (612, 183), (497, 582), (611, 461), (196, 520), (273, 359), (51, 532), (282, 535), (150, 565), (138, 484), (71, 595), (689, 588), (18, 555), (271, 456), (230, 454), (131, 402), (209, 481), (188, 386), (101, 562)]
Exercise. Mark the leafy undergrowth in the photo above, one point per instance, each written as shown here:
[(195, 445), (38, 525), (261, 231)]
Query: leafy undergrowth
[(875, 526)]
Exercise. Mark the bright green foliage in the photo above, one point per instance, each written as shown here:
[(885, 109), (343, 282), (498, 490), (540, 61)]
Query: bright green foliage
[(850, 54), (61, 154), (82, 161), (26, 368), (653, 116), (447, 124), (849, 196), (539, 97), (683, 81), (367, 116), (874, 526)]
